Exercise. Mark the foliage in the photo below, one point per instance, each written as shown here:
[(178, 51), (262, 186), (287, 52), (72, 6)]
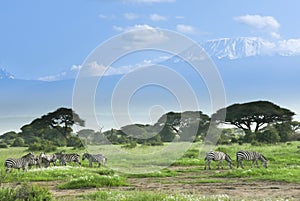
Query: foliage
[(54, 126), (150, 196), (9, 137), (46, 146), (75, 142), (285, 131), (3, 145), (255, 114), (25, 192), (268, 135), (93, 181), (19, 142), (131, 145)]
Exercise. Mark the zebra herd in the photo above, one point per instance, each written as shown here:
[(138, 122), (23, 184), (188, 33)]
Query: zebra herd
[(30, 160), (240, 156)]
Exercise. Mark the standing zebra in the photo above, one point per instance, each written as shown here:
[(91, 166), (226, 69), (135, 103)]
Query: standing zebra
[(18, 163), (217, 156), (63, 158), (47, 159), (250, 156), (99, 158)]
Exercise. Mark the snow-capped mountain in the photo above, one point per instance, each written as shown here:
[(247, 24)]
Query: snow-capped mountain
[(238, 48), (5, 75)]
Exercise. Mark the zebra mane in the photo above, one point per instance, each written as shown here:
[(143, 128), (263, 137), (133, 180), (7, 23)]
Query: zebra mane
[(29, 154), (262, 156), (227, 157)]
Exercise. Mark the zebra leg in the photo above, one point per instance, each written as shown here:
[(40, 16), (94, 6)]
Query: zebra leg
[(219, 164), (208, 163), (253, 161), (256, 163)]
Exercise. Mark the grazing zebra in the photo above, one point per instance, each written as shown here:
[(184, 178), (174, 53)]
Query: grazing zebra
[(99, 158), (37, 161), (48, 159), (63, 158), (18, 163), (250, 156), (217, 156)]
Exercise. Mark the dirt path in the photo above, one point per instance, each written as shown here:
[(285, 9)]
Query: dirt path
[(190, 183)]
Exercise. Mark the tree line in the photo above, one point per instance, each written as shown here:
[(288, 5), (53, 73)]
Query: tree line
[(252, 122)]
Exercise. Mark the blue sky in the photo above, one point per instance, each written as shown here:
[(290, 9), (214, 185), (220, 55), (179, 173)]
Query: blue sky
[(42, 38)]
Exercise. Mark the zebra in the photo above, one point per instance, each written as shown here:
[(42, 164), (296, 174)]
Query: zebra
[(99, 158), (250, 156), (18, 163), (63, 158), (48, 159), (217, 156), (37, 161)]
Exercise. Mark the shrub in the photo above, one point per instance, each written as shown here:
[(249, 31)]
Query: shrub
[(46, 146), (131, 145), (268, 135), (75, 142), (25, 192), (19, 142), (3, 145)]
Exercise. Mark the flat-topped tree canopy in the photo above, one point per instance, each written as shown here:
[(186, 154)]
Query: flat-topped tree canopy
[(252, 116)]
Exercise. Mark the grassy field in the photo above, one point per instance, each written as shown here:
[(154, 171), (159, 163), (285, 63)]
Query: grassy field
[(116, 183)]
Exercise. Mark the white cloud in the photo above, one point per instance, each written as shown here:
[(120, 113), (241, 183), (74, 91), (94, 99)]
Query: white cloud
[(186, 29), (275, 35), (289, 47), (142, 35), (259, 22), (76, 67), (118, 28), (130, 16), (156, 17), (262, 23)]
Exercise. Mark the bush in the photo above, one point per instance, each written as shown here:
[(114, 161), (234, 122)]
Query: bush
[(25, 192), (131, 145), (255, 143), (46, 146), (268, 135), (75, 142), (19, 142), (3, 145)]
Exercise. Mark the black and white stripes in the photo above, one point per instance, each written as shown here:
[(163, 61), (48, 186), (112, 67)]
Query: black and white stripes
[(18, 163), (217, 156), (64, 158), (250, 156), (99, 158)]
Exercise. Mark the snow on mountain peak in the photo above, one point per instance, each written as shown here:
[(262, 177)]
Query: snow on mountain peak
[(234, 48)]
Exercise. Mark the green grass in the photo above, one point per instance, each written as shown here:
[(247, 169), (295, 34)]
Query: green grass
[(283, 166), (93, 181), (148, 196)]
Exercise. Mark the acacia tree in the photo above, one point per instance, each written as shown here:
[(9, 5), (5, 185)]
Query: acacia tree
[(253, 116), (63, 118), (187, 125)]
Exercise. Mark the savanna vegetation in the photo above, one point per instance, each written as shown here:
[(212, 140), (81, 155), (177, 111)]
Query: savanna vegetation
[(256, 126), (107, 183)]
